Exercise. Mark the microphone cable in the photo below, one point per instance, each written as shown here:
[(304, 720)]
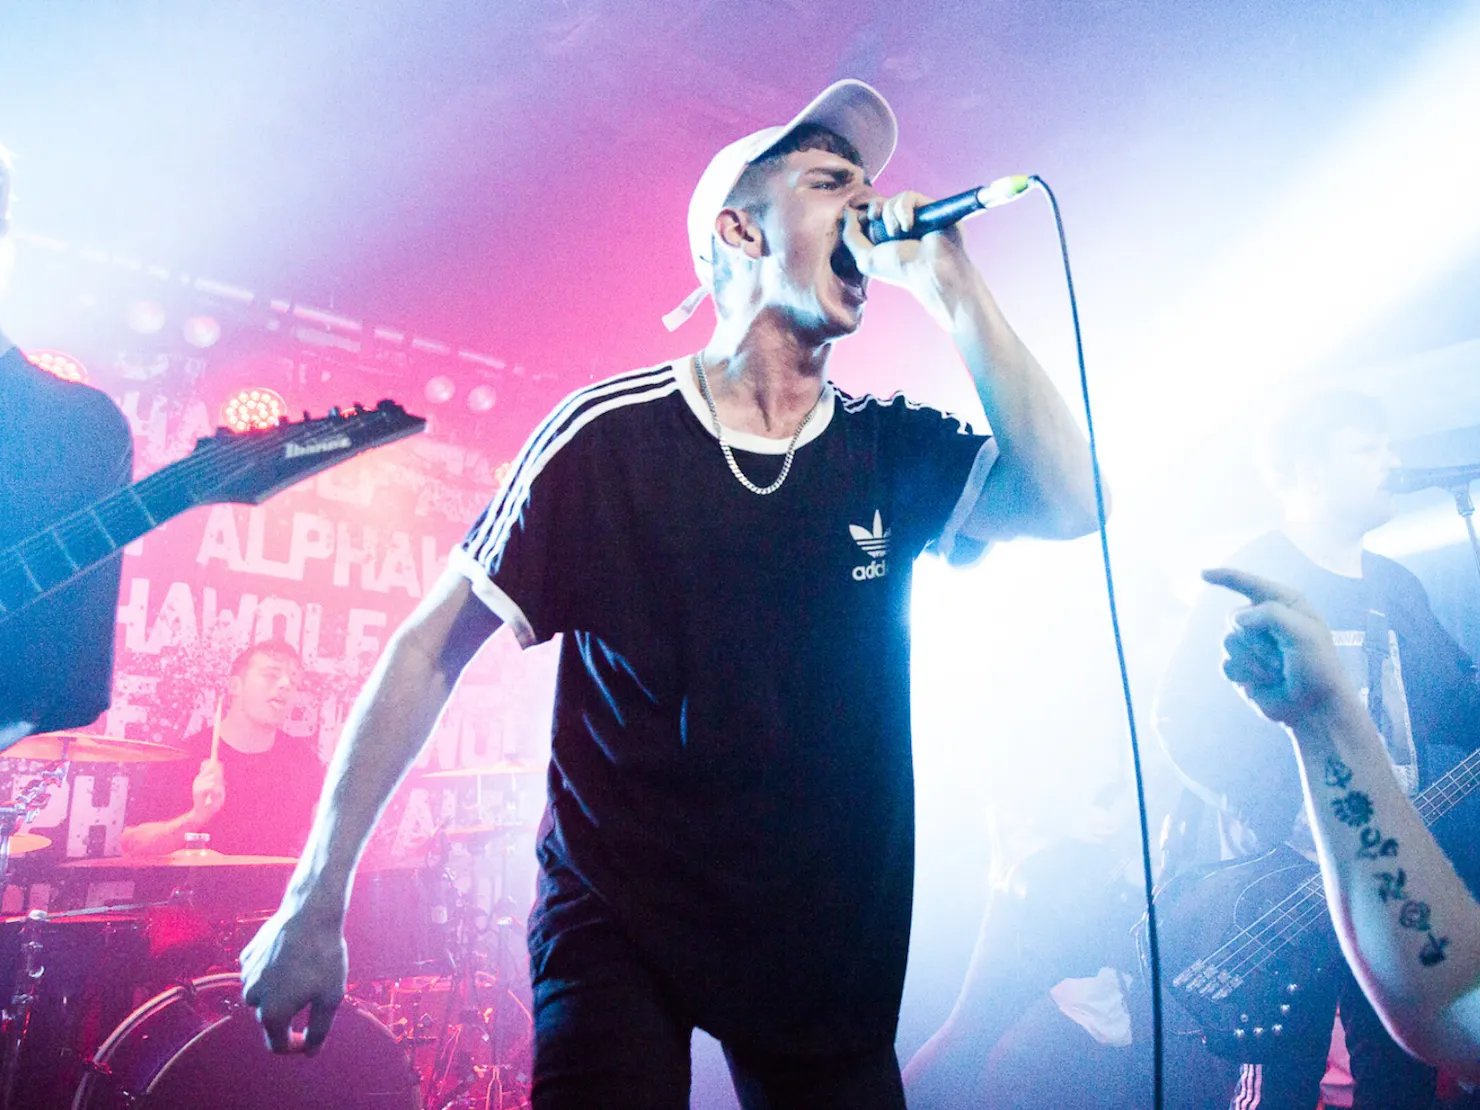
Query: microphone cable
[(1148, 881)]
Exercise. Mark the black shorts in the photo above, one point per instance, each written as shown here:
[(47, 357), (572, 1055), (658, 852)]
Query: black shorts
[(609, 1033)]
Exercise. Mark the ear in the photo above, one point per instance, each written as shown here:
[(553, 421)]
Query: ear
[(739, 229), (234, 686)]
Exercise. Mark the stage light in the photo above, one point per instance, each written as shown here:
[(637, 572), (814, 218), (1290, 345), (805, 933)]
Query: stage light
[(481, 398), (60, 365), (145, 317), (1345, 237), (201, 331), (439, 390), (253, 408)]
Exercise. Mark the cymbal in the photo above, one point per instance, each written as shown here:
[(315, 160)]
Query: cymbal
[(84, 747), (502, 767), (474, 832), (181, 857), (21, 843)]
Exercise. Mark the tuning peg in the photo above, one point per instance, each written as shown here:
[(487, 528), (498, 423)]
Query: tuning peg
[(359, 409), (335, 412)]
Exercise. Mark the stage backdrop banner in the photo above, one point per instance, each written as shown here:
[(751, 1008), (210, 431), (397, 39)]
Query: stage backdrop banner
[(332, 566)]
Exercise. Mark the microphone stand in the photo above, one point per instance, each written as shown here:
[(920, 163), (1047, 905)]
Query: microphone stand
[(1466, 509), (15, 1011)]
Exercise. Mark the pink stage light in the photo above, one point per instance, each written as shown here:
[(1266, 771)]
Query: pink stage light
[(439, 390), (253, 408), (481, 398), (61, 365), (201, 331)]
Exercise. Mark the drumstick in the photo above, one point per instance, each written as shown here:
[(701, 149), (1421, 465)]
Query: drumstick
[(216, 734)]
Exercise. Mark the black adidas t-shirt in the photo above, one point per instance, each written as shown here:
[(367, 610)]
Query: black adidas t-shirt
[(730, 769)]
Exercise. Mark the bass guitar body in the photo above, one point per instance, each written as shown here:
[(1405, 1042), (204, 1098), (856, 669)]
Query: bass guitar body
[(1245, 956)]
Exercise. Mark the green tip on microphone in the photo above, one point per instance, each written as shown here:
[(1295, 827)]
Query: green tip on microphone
[(1004, 189)]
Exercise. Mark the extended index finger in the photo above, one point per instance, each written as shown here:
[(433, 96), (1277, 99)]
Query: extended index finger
[(1256, 588)]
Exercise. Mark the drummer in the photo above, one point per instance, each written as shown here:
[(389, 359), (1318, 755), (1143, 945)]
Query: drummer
[(256, 796)]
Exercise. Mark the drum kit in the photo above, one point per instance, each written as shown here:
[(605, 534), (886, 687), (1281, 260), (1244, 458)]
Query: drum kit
[(138, 1005)]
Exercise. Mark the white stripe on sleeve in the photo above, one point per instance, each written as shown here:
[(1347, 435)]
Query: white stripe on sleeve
[(500, 604), (948, 545)]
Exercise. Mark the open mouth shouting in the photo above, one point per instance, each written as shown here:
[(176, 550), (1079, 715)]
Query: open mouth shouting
[(855, 284)]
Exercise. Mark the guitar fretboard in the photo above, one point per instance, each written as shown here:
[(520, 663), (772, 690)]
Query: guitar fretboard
[(1306, 905), (229, 466), (53, 557)]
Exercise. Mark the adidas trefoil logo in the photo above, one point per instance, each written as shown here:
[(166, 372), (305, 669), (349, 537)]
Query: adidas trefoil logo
[(875, 545)]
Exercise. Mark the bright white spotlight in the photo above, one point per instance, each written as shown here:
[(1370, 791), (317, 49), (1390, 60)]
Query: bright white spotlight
[(1348, 236), (439, 390)]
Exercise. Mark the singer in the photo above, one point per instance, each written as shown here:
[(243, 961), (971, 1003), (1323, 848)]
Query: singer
[(725, 542)]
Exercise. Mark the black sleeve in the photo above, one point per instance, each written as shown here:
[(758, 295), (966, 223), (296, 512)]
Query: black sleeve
[(521, 553), (70, 449), (942, 465), (1441, 678), (1235, 758)]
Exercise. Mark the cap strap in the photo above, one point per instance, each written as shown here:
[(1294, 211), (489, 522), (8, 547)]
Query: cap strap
[(680, 315)]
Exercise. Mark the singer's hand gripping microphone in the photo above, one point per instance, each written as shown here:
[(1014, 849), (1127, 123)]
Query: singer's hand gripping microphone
[(941, 214)]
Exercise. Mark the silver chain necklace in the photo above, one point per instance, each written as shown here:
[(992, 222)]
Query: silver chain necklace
[(719, 433)]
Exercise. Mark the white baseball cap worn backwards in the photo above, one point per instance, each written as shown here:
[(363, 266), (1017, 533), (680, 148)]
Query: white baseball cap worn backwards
[(850, 109)]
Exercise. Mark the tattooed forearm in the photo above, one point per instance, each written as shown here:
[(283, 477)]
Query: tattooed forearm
[(1356, 810), (1338, 774)]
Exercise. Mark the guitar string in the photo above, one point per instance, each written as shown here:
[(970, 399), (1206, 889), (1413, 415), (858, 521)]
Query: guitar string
[(1314, 908), (1288, 923), (1274, 929), (1256, 931), (212, 467), (1310, 908), (1308, 905)]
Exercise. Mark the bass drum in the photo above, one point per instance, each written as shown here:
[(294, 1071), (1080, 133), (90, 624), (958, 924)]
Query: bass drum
[(91, 969), (198, 1046)]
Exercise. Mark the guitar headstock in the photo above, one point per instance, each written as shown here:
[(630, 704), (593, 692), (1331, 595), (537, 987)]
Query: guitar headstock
[(249, 467)]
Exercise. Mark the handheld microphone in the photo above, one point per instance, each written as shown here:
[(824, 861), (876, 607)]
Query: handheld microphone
[(941, 214), (1412, 479)]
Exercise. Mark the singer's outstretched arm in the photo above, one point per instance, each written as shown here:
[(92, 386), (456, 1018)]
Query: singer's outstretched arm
[(1041, 484), (298, 957)]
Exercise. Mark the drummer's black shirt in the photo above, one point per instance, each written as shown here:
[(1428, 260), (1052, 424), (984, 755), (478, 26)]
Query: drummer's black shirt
[(730, 770), (270, 795)]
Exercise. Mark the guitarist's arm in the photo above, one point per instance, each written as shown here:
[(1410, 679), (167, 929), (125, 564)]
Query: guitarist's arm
[(1407, 923)]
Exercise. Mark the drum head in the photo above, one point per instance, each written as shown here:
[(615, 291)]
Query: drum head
[(229, 1067)]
